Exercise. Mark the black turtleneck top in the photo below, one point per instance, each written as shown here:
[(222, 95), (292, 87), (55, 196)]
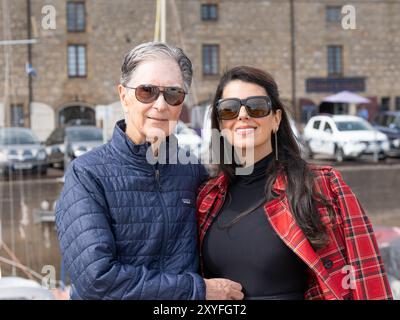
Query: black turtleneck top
[(249, 251)]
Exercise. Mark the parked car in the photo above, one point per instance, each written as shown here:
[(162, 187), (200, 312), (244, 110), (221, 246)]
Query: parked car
[(344, 136), (304, 151), (21, 151), (388, 122), (67, 143), (388, 239)]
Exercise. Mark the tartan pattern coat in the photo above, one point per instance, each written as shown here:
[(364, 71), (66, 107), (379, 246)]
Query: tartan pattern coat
[(349, 267)]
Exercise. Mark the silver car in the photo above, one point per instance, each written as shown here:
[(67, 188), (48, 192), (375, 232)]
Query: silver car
[(67, 143), (21, 151)]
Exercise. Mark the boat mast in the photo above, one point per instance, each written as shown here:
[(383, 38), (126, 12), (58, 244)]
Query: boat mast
[(160, 32)]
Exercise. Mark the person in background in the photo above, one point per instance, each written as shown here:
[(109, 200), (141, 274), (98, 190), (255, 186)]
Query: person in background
[(363, 113)]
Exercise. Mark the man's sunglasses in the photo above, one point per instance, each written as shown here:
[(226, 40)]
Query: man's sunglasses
[(147, 93), (256, 107)]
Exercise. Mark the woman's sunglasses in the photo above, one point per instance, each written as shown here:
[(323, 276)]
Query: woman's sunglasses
[(256, 107), (147, 93)]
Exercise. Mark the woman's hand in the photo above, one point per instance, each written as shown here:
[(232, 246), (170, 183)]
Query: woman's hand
[(223, 289)]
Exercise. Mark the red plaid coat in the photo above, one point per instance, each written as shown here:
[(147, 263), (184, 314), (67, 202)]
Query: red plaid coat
[(349, 267)]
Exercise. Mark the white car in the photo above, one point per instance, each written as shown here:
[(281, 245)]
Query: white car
[(344, 136)]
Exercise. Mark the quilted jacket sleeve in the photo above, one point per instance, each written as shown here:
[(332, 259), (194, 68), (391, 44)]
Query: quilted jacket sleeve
[(369, 278), (89, 251)]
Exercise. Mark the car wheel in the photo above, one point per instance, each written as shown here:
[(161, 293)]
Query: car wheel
[(339, 154), (59, 165), (382, 156)]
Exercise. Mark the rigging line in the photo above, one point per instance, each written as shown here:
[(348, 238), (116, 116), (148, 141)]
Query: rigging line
[(6, 50), (157, 23), (12, 223), (14, 258), (8, 56), (28, 271), (183, 45), (33, 273), (24, 225)]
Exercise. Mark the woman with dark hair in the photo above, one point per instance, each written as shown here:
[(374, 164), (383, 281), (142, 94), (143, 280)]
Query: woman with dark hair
[(287, 230)]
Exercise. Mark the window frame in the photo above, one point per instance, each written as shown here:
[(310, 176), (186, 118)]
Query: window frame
[(328, 16), (397, 103), (206, 8), (385, 103), (209, 54), (334, 59), (75, 28), (76, 46), (21, 107)]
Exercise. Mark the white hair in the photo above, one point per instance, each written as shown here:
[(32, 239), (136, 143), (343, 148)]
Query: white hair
[(152, 51)]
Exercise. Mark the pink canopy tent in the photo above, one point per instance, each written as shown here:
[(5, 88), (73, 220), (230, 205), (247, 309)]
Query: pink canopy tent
[(346, 97), (344, 102)]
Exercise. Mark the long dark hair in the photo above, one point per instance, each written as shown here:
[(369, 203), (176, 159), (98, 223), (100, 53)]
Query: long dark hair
[(301, 190)]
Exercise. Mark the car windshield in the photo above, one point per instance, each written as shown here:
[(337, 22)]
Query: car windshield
[(11, 136), (353, 125), (84, 134)]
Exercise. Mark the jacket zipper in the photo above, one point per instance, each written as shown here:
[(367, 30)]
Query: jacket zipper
[(164, 217)]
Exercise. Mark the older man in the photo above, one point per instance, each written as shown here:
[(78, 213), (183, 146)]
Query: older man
[(127, 226)]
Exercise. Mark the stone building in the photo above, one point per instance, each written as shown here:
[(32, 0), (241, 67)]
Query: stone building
[(77, 61)]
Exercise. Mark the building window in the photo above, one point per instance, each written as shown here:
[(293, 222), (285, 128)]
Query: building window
[(333, 13), (210, 59), (335, 60), (209, 12), (77, 61), (17, 115), (76, 16), (385, 103), (397, 104)]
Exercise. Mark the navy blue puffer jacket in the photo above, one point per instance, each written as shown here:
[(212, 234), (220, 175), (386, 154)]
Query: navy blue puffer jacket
[(127, 228)]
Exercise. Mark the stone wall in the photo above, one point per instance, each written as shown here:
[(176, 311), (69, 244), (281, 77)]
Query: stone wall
[(252, 32)]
